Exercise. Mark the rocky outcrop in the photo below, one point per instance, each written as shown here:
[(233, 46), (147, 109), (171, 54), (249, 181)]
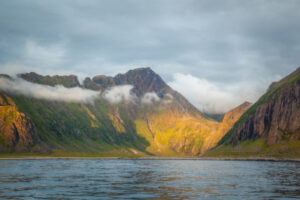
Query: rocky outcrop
[(274, 117), (90, 84), (143, 80), (17, 131), (67, 81)]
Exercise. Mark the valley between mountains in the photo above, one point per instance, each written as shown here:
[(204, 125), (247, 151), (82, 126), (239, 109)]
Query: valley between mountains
[(136, 114)]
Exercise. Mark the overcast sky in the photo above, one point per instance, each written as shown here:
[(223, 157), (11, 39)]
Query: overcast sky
[(211, 51)]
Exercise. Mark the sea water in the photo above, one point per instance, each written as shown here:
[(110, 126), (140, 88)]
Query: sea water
[(148, 179)]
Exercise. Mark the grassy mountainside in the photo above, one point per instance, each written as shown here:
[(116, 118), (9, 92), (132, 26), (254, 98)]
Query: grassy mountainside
[(168, 127), (79, 128), (271, 127)]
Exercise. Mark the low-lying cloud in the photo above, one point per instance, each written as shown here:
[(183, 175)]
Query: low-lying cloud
[(56, 93), (114, 95), (119, 94), (150, 98), (212, 98)]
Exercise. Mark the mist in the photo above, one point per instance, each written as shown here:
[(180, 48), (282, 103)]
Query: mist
[(150, 98), (119, 94), (114, 95), (56, 93), (212, 98)]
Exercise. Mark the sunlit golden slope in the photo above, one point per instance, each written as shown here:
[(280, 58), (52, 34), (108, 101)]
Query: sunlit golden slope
[(17, 131), (173, 132), (228, 121)]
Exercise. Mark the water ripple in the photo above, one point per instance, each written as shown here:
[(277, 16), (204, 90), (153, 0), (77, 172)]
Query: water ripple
[(148, 179)]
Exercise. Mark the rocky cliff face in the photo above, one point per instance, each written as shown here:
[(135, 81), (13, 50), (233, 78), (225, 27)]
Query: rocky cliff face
[(270, 127), (17, 131), (276, 115)]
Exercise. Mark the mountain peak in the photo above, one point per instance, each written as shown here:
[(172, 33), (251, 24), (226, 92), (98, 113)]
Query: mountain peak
[(142, 69), (143, 80)]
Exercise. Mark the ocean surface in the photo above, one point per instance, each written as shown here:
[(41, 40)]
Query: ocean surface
[(148, 179)]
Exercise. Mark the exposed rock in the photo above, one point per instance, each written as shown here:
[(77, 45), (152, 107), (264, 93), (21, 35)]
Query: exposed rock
[(17, 131), (89, 84), (275, 116), (67, 81), (143, 80)]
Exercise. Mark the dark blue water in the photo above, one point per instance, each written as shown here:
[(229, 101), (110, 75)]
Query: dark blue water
[(148, 179)]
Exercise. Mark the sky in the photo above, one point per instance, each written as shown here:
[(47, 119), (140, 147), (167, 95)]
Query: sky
[(217, 53)]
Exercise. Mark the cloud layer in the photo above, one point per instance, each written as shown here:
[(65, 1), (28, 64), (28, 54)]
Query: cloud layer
[(57, 93), (233, 44), (217, 40), (115, 95), (213, 98)]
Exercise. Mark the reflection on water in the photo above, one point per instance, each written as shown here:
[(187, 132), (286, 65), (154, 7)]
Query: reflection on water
[(148, 179)]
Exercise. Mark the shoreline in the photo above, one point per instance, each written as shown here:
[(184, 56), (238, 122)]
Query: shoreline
[(269, 159)]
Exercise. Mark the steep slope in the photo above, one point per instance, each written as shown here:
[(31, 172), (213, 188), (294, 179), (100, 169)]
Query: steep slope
[(271, 127), (228, 121), (172, 126), (17, 131), (164, 124), (232, 116), (173, 131)]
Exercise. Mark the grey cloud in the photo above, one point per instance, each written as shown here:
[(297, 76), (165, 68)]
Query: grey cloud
[(226, 42), (210, 97), (57, 93)]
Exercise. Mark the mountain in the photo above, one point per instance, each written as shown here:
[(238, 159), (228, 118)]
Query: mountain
[(270, 127), (157, 120)]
